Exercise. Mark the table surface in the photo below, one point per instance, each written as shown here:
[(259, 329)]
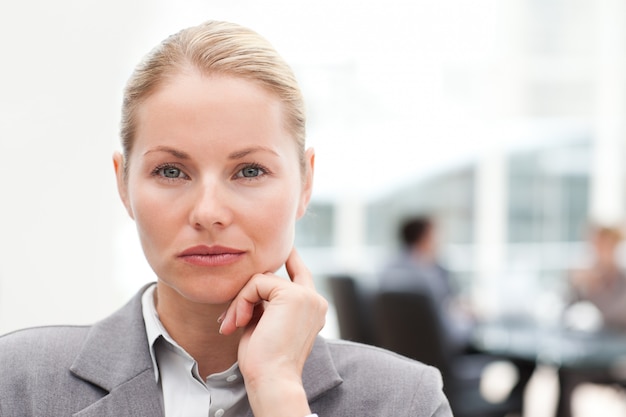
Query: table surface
[(553, 345)]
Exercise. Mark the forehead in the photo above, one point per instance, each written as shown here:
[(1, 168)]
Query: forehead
[(192, 105), (193, 93)]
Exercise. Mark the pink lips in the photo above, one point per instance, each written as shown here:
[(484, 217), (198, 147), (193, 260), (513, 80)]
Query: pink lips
[(203, 255)]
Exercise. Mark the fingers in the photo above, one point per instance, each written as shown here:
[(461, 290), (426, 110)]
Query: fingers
[(264, 288), (297, 270), (258, 289)]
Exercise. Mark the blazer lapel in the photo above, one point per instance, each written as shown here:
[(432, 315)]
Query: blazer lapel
[(116, 358), (319, 374), (138, 397)]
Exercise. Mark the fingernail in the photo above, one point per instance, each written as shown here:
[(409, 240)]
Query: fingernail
[(220, 319)]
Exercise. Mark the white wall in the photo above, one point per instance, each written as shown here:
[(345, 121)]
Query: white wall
[(63, 67), (394, 89), (64, 64)]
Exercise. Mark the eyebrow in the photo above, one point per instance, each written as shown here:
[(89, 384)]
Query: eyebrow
[(234, 155), (247, 151), (175, 152)]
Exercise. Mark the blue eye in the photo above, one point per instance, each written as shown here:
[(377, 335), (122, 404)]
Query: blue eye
[(169, 172), (250, 172)]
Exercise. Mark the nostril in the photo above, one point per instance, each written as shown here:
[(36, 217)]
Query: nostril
[(211, 206)]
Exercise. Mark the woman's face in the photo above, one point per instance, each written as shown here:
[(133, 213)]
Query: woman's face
[(214, 184)]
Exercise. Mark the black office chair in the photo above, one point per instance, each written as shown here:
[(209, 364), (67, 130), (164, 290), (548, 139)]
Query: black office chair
[(353, 307), (407, 323)]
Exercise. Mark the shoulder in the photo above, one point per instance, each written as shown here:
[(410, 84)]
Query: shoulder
[(377, 361), (400, 272), (375, 381), (39, 350), (36, 378), (42, 339)]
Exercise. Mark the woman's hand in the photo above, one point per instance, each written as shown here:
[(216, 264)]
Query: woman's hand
[(281, 320)]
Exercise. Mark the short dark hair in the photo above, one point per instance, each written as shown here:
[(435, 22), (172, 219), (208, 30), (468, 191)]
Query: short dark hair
[(414, 229)]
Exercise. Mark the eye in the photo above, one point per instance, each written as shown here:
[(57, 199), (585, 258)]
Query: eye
[(169, 172), (251, 171)]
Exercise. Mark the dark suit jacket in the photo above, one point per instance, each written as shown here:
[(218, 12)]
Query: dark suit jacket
[(106, 370)]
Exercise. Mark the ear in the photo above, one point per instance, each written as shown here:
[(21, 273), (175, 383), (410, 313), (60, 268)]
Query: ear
[(122, 185), (307, 184)]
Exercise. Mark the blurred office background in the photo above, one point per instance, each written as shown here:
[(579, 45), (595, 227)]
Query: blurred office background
[(505, 119)]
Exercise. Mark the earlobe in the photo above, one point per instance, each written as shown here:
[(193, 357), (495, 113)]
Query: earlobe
[(122, 186), (307, 184)]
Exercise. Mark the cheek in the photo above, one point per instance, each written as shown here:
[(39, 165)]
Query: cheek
[(155, 222), (272, 227)]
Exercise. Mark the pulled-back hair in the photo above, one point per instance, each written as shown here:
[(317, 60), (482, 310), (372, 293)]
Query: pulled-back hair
[(214, 48)]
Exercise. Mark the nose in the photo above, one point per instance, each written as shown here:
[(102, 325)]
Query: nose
[(210, 207)]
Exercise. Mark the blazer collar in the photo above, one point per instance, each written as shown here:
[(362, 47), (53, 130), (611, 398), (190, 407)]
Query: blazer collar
[(120, 365), (319, 374)]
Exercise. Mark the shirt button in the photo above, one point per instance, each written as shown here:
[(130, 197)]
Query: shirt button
[(230, 378), (219, 413)]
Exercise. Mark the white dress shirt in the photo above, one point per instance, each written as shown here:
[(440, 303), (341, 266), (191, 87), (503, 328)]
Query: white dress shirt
[(184, 393)]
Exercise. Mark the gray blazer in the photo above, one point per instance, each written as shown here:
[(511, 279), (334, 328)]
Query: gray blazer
[(106, 370)]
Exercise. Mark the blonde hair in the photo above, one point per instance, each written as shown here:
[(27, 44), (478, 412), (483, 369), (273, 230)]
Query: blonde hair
[(214, 48)]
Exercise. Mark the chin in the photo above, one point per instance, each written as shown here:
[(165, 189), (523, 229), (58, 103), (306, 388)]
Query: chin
[(206, 291), (221, 293)]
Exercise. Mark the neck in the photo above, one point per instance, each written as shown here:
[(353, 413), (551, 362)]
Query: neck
[(422, 254), (195, 328)]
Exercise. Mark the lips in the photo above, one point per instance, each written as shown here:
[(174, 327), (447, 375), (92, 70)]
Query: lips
[(210, 256)]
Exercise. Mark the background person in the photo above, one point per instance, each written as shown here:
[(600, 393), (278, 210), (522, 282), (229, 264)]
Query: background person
[(214, 172), (418, 268), (597, 303), (603, 282)]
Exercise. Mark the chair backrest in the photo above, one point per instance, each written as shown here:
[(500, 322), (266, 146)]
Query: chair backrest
[(352, 305), (407, 323)]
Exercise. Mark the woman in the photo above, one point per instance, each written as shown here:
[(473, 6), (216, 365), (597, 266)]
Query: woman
[(597, 302), (214, 173), (603, 282)]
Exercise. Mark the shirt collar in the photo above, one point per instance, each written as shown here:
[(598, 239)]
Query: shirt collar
[(156, 331), (159, 338), (154, 327)]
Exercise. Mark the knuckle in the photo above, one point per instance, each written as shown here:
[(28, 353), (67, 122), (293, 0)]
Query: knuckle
[(323, 304)]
